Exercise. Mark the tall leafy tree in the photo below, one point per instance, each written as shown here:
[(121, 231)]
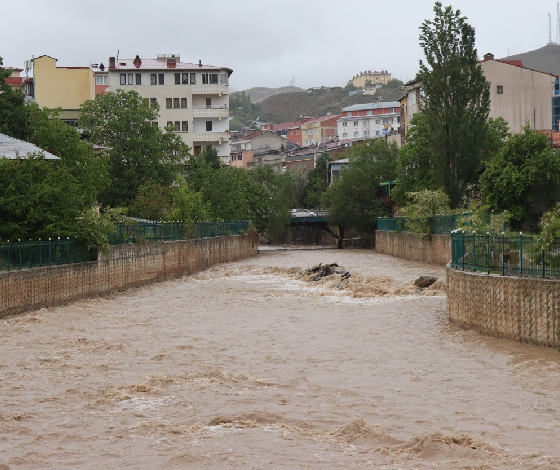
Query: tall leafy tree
[(456, 100), (14, 115), (138, 151), (523, 178), (354, 199), (317, 181)]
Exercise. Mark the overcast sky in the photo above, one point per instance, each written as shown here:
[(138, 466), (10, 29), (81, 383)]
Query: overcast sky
[(265, 42)]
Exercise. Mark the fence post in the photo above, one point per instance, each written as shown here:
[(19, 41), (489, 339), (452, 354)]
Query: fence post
[(463, 243), (503, 254), (50, 251), (8, 255), (19, 253), (488, 252), (520, 254), (30, 253), (543, 263), (474, 251)]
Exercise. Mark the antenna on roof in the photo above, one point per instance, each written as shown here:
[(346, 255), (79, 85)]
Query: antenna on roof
[(557, 22), (549, 30)]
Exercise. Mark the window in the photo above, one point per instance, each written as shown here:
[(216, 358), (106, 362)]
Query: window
[(177, 126), (366, 123), (185, 126), (153, 102), (168, 103), (345, 135), (177, 79), (350, 114), (309, 131), (153, 79), (161, 79), (369, 113), (176, 102), (356, 134), (355, 123), (345, 124), (500, 89), (377, 133), (138, 79), (185, 78), (193, 78), (209, 78), (392, 110), (123, 78), (208, 103), (155, 124), (169, 124), (366, 133), (101, 79), (208, 126), (377, 121), (183, 102), (240, 157), (131, 79), (223, 79)]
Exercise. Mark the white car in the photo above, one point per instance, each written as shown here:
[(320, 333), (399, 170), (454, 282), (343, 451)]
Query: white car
[(302, 213)]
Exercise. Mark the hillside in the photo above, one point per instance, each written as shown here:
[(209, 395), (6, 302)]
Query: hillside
[(258, 94), (289, 106), (545, 59)]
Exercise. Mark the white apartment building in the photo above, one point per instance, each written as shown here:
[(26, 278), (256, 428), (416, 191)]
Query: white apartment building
[(369, 121), (193, 98)]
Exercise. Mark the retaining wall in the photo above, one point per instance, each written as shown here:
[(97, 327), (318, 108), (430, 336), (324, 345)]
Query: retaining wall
[(125, 266), (521, 309), (436, 250)]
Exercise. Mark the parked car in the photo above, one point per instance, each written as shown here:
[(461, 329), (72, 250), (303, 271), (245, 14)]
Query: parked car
[(302, 213)]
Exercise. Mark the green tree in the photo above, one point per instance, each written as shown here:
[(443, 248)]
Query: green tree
[(522, 178), (456, 102), (299, 179), (423, 205), (138, 151), (42, 199), (51, 134), (317, 181), (211, 157), (14, 115), (354, 199), (393, 83), (153, 202)]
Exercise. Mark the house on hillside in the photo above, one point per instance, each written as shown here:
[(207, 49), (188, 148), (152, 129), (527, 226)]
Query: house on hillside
[(369, 121), (193, 98), (15, 149), (291, 130), (318, 130), (369, 78), (522, 95), (260, 147)]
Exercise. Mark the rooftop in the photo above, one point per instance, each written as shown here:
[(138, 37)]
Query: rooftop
[(162, 64), (12, 149), (380, 105)]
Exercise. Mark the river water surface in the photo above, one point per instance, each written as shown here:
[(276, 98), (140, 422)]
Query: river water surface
[(254, 365)]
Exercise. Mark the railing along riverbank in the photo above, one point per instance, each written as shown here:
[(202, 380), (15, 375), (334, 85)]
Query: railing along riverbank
[(506, 255), (31, 254)]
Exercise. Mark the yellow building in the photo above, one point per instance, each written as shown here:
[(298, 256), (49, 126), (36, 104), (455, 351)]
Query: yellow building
[(410, 105), (368, 78), (62, 87)]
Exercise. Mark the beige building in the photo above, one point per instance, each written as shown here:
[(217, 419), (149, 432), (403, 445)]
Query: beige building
[(62, 87), (410, 105), (518, 94), (368, 78), (193, 98)]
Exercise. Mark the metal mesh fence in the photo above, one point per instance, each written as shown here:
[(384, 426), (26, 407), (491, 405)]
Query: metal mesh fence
[(30, 254), (505, 255), (218, 229)]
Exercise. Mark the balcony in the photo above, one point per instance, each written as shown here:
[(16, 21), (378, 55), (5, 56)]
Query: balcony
[(210, 90), (219, 112), (210, 137)]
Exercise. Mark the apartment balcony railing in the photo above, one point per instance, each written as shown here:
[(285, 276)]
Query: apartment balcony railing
[(214, 112), (210, 136), (210, 90)]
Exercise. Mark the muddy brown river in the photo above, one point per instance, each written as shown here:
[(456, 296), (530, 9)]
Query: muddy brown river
[(255, 365)]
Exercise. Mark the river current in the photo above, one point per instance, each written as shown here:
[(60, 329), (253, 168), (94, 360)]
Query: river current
[(256, 365)]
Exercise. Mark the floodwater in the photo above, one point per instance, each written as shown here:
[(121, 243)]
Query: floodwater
[(253, 365)]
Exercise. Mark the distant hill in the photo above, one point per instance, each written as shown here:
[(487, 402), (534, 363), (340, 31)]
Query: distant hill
[(258, 94), (290, 106), (545, 59)]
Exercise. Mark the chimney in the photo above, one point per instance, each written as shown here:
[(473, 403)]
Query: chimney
[(488, 56), (111, 62), (199, 63), (137, 61), (101, 66)]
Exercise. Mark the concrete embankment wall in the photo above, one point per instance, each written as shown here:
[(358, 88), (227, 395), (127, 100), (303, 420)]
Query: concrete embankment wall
[(125, 266), (436, 250), (522, 309)]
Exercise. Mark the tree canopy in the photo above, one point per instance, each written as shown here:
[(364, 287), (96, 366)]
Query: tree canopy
[(456, 101), (14, 116), (138, 151)]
